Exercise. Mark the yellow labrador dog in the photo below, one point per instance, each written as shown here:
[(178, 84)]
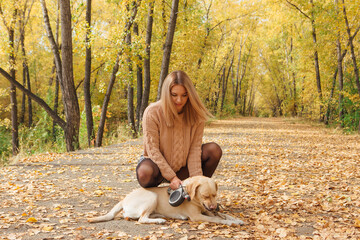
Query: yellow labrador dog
[(150, 204)]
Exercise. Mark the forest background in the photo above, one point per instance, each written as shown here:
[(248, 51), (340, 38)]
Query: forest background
[(76, 74)]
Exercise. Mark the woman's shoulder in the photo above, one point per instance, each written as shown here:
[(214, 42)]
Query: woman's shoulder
[(155, 106), (153, 109)]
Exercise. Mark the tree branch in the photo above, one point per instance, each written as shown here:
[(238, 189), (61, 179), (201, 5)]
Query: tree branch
[(37, 99), (227, 19), (356, 31), (83, 79), (297, 8), (3, 17)]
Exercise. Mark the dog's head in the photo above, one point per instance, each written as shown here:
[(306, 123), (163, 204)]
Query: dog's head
[(203, 191)]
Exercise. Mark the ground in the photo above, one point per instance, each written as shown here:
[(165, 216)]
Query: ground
[(286, 179)]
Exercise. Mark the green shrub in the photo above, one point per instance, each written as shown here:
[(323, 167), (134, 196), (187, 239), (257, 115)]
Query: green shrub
[(5, 144)]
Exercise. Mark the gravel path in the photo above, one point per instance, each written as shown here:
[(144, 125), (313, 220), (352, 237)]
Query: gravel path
[(286, 179)]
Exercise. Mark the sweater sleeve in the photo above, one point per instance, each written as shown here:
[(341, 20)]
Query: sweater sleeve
[(151, 128), (194, 158)]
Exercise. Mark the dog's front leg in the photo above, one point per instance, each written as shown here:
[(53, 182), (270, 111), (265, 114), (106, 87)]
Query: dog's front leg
[(228, 217), (208, 213), (215, 219)]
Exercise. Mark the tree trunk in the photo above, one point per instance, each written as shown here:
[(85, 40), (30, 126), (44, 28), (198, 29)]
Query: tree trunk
[(139, 84), (14, 117), (53, 44), (131, 117), (251, 100), (237, 77), (225, 82), (328, 112), (217, 92), (106, 101), (24, 14), (316, 61), (207, 34), (163, 17), (87, 95), (341, 82), (26, 82), (56, 105), (23, 100), (57, 81), (293, 82), (147, 75), (352, 50), (130, 93), (239, 81), (22, 44), (13, 100), (168, 45), (71, 104), (68, 130), (30, 112), (244, 104)]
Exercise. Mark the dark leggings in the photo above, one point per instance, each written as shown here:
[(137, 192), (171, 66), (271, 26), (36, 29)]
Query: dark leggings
[(149, 175)]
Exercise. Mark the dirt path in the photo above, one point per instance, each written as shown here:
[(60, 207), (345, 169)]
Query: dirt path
[(284, 178)]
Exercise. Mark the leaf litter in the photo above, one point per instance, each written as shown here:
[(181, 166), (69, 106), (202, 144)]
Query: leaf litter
[(285, 179)]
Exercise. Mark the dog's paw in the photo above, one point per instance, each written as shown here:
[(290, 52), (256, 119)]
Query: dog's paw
[(161, 221), (152, 220), (239, 222), (235, 222)]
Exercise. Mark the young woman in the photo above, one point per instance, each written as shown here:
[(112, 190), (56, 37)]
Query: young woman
[(173, 129)]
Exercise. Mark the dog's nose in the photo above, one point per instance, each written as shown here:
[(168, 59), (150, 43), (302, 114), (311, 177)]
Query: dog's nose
[(213, 206)]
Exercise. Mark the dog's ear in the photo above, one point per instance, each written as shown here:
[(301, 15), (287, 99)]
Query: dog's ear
[(191, 188)]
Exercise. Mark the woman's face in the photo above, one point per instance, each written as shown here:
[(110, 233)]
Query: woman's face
[(179, 96)]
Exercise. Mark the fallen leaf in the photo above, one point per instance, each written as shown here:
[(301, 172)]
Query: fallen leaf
[(31, 220)]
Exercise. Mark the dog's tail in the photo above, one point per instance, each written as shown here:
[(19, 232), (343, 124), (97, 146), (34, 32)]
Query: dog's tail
[(109, 216)]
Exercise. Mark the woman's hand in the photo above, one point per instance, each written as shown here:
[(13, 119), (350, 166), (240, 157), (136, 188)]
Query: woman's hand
[(175, 183)]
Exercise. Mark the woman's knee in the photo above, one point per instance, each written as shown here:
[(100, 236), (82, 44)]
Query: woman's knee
[(212, 150), (146, 174)]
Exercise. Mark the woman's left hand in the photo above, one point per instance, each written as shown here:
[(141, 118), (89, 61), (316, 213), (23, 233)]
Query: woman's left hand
[(175, 183)]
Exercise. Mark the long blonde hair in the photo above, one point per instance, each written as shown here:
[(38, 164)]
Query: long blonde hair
[(194, 109)]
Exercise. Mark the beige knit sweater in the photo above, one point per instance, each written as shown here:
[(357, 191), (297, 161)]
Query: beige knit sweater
[(172, 148)]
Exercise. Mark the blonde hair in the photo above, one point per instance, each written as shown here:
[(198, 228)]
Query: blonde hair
[(194, 109)]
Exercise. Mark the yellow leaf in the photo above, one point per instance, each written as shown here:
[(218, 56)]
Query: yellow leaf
[(48, 228), (357, 223), (31, 219), (99, 192)]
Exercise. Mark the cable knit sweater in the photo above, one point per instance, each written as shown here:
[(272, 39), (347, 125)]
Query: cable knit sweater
[(172, 148)]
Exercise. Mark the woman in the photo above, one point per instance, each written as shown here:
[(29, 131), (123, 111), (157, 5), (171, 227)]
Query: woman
[(173, 129)]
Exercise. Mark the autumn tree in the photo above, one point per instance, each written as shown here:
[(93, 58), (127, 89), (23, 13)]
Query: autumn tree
[(168, 45), (87, 79), (115, 69), (311, 18), (147, 66), (10, 27)]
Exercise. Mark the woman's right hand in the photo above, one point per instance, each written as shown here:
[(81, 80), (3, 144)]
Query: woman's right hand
[(175, 183)]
